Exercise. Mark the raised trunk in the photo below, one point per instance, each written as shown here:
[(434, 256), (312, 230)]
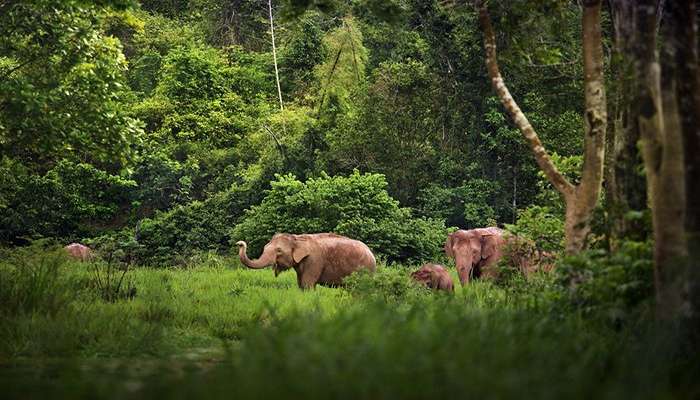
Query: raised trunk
[(580, 200), (265, 259)]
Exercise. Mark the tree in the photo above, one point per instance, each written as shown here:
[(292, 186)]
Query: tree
[(684, 26), (656, 112), (580, 199), (664, 106), (345, 68), (62, 85), (625, 185), (274, 55)]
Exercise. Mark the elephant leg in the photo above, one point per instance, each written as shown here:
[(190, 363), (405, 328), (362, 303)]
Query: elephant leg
[(308, 275)]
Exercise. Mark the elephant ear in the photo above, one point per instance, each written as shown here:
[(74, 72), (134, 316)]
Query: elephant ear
[(302, 249), (488, 245), (448, 247)]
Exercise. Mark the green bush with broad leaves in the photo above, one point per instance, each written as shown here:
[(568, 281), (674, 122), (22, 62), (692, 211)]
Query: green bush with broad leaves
[(357, 206), (174, 236), (468, 205), (70, 200), (614, 284), (386, 285), (541, 225), (62, 85)]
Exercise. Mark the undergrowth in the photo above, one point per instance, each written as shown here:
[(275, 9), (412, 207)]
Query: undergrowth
[(216, 330)]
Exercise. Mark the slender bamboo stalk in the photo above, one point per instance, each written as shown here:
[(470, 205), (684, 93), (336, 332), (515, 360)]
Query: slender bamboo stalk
[(274, 55)]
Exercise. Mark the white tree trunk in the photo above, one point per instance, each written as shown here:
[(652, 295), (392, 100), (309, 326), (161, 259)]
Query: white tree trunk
[(274, 55)]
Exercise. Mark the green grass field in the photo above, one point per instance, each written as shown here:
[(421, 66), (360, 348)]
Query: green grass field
[(217, 330)]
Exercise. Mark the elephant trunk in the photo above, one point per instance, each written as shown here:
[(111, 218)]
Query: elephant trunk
[(262, 262), (464, 264)]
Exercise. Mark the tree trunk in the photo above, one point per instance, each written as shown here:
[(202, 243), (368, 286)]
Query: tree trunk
[(580, 200), (684, 37), (659, 124), (274, 55), (625, 186), (596, 119)]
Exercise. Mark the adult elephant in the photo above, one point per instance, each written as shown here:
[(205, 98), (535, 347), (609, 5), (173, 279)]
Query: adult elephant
[(475, 251), (323, 258)]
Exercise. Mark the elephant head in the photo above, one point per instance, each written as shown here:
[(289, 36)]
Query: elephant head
[(473, 249), (283, 251)]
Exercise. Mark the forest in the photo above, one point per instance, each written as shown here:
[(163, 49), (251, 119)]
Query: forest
[(480, 198)]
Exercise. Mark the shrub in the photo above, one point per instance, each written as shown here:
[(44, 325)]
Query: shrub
[(110, 281), (614, 285), (173, 236), (192, 73), (385, 284), (468, 205), (179, 232), (71, 199), (31, 280), (522, 257), (357, 206), (163, 182), (542, 226)]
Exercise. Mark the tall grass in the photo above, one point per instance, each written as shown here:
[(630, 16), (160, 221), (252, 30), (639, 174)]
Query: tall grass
[(220, 332)]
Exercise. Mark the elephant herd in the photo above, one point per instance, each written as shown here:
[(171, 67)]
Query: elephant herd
[(327, 258)]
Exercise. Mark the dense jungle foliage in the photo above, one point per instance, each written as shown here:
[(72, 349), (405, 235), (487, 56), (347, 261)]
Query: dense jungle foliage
[(161, 132), (163, 123)]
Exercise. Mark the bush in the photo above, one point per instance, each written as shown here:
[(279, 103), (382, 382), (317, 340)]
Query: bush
[(385, 284), (70, 200), (172, 237), (468, 205), (542, 226), (614, 285), (192, 73), (31, 280), (356, 206), (196, 226), (163, 183), (51, 306)]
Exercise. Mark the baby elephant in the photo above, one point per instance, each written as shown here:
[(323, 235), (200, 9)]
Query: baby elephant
[(435, 276), (79, 251)]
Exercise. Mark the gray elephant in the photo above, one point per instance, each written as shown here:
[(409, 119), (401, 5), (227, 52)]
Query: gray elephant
[(323, 258), (475, 251)]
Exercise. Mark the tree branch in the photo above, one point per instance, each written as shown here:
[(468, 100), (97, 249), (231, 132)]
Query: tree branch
[(556, 178)]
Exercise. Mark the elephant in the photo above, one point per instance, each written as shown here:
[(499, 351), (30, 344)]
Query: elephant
[(435, 276), (79, 251), (475, 251), (323, 258)]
